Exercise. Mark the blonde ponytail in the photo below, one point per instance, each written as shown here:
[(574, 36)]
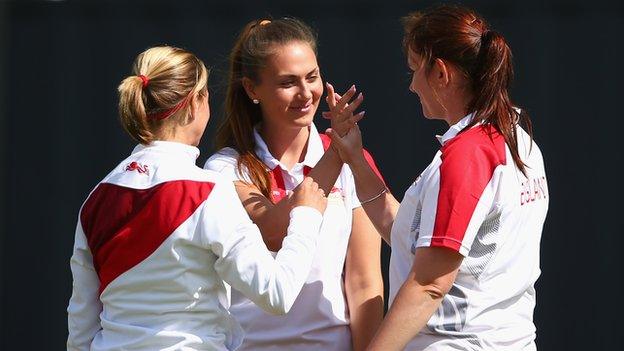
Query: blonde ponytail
[(132, 110), (156, 96)]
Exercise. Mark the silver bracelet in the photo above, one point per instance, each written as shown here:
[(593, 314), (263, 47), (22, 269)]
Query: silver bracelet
[(374, 197)]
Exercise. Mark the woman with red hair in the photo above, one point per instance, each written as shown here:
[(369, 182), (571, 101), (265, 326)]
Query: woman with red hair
[(465, 239)]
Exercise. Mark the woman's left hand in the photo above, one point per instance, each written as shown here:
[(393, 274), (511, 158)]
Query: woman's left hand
[(341, 110)]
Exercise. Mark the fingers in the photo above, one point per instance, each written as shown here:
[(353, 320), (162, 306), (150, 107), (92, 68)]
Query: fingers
[(342, 109), (307, 181), (335, 138), (357, 118), (331, 96), (355, 104), (340, 104)]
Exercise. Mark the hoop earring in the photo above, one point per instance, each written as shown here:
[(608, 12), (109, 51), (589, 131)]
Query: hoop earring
[(255, 101)]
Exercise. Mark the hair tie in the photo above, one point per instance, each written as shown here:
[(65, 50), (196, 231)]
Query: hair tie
[(145, 80)]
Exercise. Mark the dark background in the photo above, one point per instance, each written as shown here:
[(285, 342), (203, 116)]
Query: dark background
[(61, 61)]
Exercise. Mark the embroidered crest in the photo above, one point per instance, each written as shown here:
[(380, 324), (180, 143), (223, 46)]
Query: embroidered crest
[(135, 166)]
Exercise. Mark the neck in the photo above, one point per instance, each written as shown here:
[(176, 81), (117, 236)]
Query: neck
[(179, 136), (289, 146), (456, 109)]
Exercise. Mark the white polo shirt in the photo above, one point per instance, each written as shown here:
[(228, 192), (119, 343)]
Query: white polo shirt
[(474, 200), (155, 241), (319, 318)]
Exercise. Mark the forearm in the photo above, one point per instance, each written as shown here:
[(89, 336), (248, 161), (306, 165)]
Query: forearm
[(273, 284), (327, 170), (363, 280), (382, 210), (83, 312), (410, 311), (272, 219), (366, 313), (432, 276)]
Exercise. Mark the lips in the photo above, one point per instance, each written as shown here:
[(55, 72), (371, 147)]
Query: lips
[(302, 108)]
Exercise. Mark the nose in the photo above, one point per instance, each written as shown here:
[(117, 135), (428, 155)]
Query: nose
[(412, 86), (305, 91)]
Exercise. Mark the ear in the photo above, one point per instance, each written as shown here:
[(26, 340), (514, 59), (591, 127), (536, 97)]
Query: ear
[(250, 88), (440, 73), (196, 104)]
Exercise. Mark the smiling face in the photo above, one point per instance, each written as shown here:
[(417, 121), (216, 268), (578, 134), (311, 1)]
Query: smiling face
[(421, 85), (289, 87)]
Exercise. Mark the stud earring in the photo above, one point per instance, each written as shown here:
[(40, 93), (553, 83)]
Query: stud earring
[(255, 101)]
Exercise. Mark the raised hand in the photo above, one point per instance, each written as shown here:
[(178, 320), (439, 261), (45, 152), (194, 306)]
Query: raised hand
[(341, 109), (309, 194), (349, 147)]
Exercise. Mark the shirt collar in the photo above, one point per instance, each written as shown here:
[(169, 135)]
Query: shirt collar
[(455, 129), (314, 151), (184, 150)]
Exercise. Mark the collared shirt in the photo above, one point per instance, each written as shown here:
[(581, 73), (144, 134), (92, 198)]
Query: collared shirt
[(319, 319), (474, 200), (154, 244)]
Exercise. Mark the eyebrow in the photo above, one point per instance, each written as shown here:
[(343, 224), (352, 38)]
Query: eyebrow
[(316, 70)]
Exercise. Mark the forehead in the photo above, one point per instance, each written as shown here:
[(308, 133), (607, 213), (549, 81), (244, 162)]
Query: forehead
[(292, 58), (414, 59)]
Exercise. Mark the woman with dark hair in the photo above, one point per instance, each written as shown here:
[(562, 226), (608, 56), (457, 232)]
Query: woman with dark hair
[(267, 144), (465, 239)]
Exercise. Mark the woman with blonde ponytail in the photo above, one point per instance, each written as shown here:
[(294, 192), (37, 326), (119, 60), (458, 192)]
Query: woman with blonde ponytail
[(158, 238), (465, 238)]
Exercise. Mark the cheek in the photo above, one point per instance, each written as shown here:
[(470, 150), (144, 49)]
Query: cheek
[(278, 99), (317, 90)]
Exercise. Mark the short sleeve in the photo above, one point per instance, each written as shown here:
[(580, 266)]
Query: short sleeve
[(459, 196)]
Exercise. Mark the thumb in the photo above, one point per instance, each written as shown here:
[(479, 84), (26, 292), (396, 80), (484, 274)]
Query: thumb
[(335, 138)]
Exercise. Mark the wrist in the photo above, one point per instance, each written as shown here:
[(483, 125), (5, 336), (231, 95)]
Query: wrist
[(357, 162), (333, 154)]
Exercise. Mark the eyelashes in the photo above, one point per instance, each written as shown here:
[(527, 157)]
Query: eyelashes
[(290, 83)]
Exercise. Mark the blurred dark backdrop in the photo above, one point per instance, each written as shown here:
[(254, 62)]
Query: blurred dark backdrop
[(61, 61)]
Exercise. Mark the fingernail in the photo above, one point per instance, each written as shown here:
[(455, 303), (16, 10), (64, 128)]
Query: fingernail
[(353, 87)]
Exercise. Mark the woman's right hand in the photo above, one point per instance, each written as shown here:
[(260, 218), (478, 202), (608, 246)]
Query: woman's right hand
[(309, 194)]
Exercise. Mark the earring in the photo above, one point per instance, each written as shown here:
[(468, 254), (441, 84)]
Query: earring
[(255, 101)]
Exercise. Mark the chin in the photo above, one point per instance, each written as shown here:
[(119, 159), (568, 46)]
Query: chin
[(303, 121), (430, 116)]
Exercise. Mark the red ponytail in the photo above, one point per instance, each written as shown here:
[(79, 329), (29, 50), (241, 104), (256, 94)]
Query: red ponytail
[(462, 37)]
